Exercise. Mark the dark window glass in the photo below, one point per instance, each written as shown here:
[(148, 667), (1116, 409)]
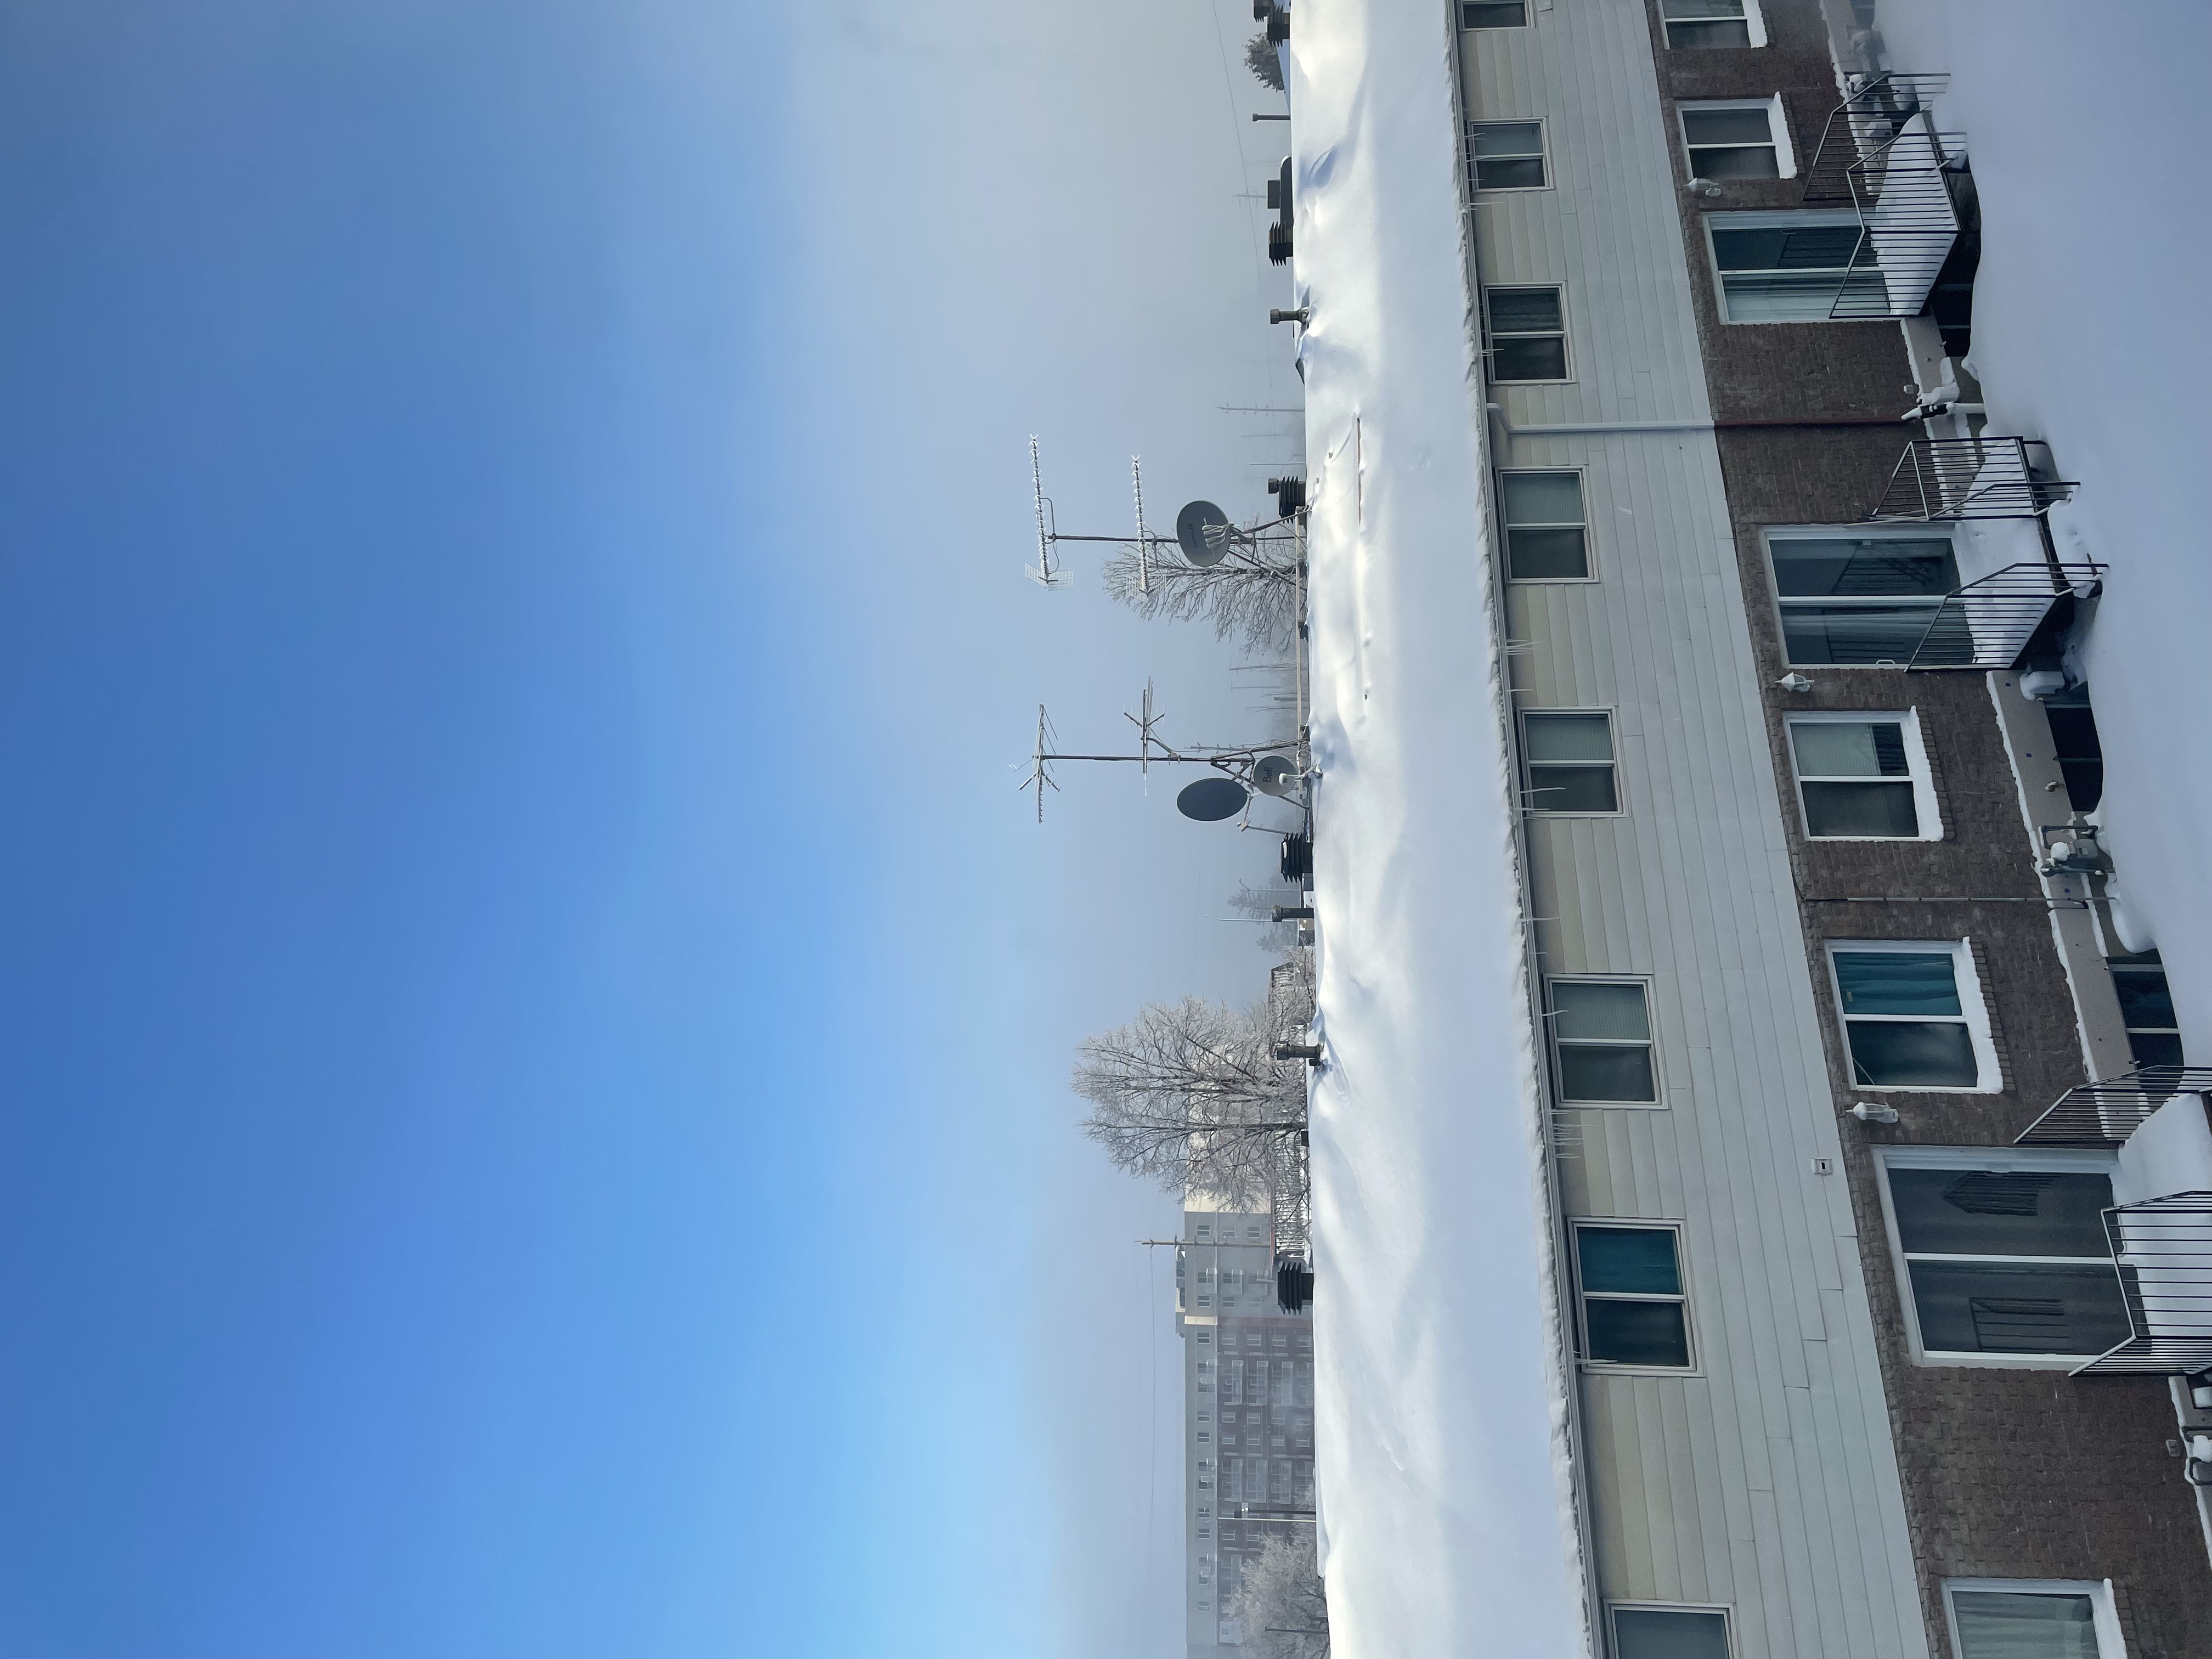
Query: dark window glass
[(2031, 1308), (1838, 567), (2144, 998), (2025, 1212), (1664, 1633), (2080, 754), (1799, 247), (1636, 1260), (1525, 310), (1530, 360), (2011, 1624), (2155, 1048), (1494, 15), (1861, 809), (1906, 1055), (1897, 982), (1637, 1332), (1588, 1073)]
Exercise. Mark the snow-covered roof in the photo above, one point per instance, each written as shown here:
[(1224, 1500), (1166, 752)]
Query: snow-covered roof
[(1447, 1508)]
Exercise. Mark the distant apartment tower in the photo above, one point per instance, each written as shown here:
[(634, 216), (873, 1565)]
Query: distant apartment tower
[(1247, 1414)]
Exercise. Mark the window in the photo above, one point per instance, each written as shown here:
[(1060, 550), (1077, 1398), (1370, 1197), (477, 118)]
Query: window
[(1712, 23), (1546, 537), (2075, 747), (1570, 759), (1601, 1035), (2032, 1619), (2004, 1254), (1737, 140), (1494, 15), (1795, 267), (1630, 1279), (1913, 1015), (1854, 600), (1669, 1633), (1862, 779), (2146, 1010), (1506, 154), (1528, 334)]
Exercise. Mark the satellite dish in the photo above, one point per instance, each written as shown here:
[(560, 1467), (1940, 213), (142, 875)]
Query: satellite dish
[(1211, 799), (1275, 774), (1202, 532)]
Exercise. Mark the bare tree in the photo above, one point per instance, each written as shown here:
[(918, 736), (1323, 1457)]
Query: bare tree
[(1253, 597), (1282, 1602), (1259, 903), (1260, 59), (1190, 1094)]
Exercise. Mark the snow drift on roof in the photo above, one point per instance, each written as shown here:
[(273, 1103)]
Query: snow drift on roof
[(1447, 1510)]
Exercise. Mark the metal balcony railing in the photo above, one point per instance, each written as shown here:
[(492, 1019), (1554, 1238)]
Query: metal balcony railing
[(1882, 155), (2163, 1250), (1987, 625), (2106, 1113), (1944, 480)]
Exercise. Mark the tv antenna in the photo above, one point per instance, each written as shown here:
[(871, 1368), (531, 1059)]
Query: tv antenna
[(1204, 536), (1269, 768)]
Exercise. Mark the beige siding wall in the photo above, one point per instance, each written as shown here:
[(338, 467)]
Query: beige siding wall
[(1766, 1481)]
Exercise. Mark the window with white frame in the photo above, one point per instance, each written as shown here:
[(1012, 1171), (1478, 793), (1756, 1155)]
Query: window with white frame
[(2032, 1618), (1713, 23), (1601, 1040), (1737, 138), (1795, 267), (1547, 528), (1658, 1632), (1569, 755), (1493, 14), (2004, 1254), (1506, 154), (1628, 1276), (1913, 1015), (1852, 599), (1863, 777), (1528, 334)]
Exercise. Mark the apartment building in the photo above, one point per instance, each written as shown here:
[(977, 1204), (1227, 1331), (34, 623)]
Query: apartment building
[(1247, 1413), (1819, 924)]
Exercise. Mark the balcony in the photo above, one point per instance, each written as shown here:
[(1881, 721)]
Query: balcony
[(2159, 1232), (1948, 480), (1989, 624), (2163, 1249), (1883, 156), (2107, 1113)]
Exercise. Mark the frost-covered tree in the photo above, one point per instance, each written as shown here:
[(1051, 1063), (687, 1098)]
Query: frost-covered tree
[(1282, 1602), (1260, 59), (1190, 1094), (1253, 597)]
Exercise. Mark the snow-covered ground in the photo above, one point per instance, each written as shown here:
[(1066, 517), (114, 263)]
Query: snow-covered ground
[(1446, 1515), (2092, 330)]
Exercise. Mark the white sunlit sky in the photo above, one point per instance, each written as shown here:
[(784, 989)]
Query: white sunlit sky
[(536, 1021)]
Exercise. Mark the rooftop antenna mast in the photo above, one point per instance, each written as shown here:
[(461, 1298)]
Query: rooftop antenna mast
[(1048, 571), (1045, 573), (1267, 768)]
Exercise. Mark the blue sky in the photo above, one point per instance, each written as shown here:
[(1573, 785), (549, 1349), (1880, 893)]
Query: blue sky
[(533, 1020)]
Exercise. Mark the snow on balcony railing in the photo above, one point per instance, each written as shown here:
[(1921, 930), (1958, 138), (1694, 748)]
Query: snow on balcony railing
[(1882, 154), (2106, 1113), (1987, 625), (2163, 1250)]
